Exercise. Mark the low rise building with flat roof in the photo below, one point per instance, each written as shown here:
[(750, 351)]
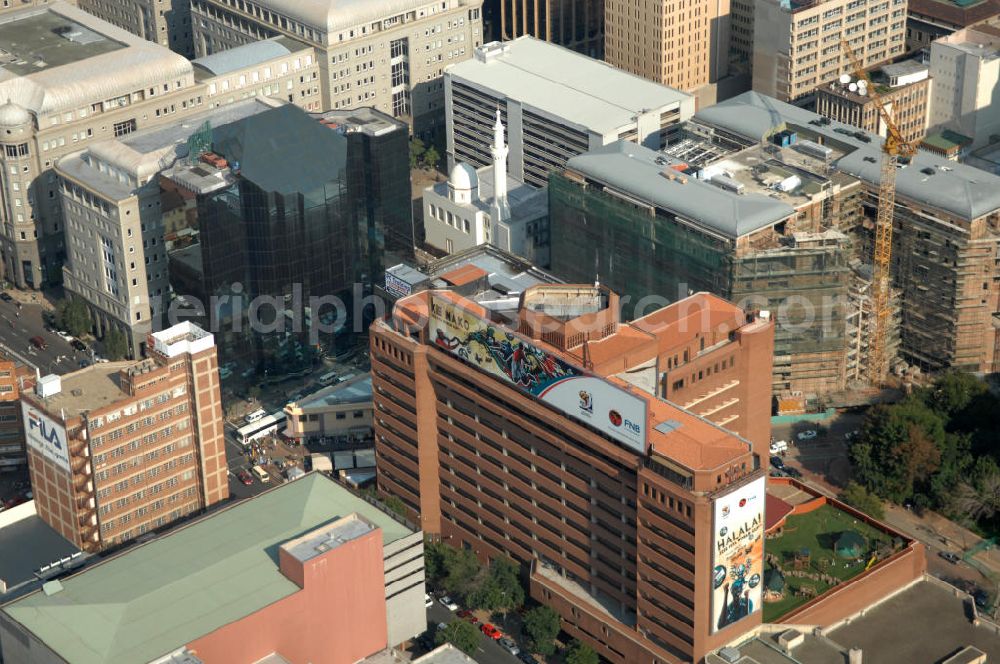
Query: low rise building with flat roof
[(905, 90), (304, 572), (119, 449), (554, 103), (341, 412), (33, 552)]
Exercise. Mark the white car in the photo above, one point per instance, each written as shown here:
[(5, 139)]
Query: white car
[(428, 600), (448, 603), (807, 435), (65, 336), (779, 447)]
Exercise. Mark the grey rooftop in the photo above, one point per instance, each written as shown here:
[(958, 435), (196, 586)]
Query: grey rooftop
[(639, 171), (555, 80), (961, 190)]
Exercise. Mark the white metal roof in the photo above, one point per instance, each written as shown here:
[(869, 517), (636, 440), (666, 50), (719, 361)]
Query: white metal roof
[(564, 84), (75, 85)]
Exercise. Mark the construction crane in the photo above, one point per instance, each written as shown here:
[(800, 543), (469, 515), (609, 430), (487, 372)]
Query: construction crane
[(895, 150)]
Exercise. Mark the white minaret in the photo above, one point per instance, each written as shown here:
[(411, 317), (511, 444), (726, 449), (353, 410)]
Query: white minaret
[(499, 209)]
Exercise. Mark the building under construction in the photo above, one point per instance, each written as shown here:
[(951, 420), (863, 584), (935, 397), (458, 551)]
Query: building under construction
[(768, 201), (763, 226)]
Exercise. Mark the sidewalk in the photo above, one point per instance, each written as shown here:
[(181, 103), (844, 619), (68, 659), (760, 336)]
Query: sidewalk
[(940, 533)]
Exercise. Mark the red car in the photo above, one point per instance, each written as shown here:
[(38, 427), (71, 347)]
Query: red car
[(245, 477), (491, 631)]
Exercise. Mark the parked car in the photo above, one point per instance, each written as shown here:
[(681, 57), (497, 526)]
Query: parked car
[(224, 373), (777, 462), (508, 644), (84, 362), (779, 447), (78, 345), (807, 435), (490, 631), (448, 603), (6, 298), (38, 343), (951, 557), (981, 598), (65, 336), (428, 601), (245, 477), (442, 625), (527, 658), (851, 435), (467, 615), (791, 472)]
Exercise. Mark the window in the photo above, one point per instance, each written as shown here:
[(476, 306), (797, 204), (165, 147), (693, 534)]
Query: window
[(20, 150), (125, 127)]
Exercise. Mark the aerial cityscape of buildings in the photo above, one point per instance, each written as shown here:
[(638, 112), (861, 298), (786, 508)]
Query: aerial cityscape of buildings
[(498, 331)]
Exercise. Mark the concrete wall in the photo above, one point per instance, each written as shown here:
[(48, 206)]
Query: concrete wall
[(406, 616), (862, 591), (19, 646), (337, 618)]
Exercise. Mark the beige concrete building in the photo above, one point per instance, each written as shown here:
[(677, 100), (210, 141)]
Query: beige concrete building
[(681, 44), (905, 89), (797, 44), (119, 449), (111, 201), (340, 412), (966, 71), (70, 79), (165, 22), (386, 55)]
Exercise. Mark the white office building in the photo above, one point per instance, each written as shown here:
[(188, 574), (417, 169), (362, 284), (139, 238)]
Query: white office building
[(555, 104)]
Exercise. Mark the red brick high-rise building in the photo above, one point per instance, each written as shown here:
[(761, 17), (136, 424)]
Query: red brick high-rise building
[(122, 448), (537, 425)]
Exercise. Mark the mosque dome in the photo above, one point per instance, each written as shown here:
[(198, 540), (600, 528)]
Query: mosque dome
[(463, 177)]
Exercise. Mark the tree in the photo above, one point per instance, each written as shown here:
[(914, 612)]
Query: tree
[(953, 391), (253, 392), (395, 504), (461, 572), (115, 345), (434, 559), (431, 158), (417, 150), (461, 634), (859, 497), (541, 624), (501, 590), (579, 652), (978, 498), (73, 317)]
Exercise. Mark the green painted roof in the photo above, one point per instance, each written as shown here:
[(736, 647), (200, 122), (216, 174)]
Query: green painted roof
[(159, 596), (946, 140)]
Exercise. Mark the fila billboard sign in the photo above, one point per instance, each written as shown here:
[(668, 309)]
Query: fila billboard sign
[(45, 436)]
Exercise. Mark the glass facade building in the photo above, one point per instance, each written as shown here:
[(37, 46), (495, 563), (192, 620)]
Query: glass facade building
[(307, 212)]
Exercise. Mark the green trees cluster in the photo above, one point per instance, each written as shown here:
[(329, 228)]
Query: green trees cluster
[(115, 345), (73, 317), (579, 652), (936, 449), (463, 635), (541, 624), (496, 589), (422, 156)]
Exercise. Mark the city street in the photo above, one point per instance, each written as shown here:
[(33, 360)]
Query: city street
[(489, 651), (15, 331)]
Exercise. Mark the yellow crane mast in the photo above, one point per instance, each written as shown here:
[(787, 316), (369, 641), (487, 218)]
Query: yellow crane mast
[(894, 149)]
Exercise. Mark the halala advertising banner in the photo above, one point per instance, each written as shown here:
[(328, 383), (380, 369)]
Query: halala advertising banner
[(737, 554)]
